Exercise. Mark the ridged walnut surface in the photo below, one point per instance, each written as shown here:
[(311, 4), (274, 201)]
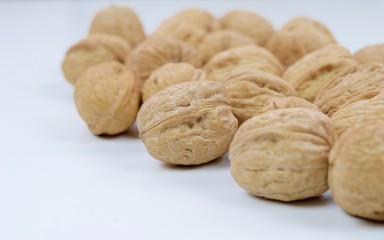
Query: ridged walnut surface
[(371, 53), (286, 102)]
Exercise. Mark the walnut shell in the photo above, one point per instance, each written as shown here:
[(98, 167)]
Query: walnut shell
[(188, 123), (107, 98), (248, 91), (246, 57), (317, 69), (170, 74), (298, 37), (361, 82), (157, 51), (219, 41), (121, 21), (283, 154), (370, 53), (91, 51), (356, 172), (248, 23), (286, 102)]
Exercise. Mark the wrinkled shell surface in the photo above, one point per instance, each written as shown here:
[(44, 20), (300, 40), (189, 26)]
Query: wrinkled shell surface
[(170, 74), (188, 123), (357, 171), (286, 102), (371, 53), (107, 98), (121, 21), (283, 154), (91, 51)]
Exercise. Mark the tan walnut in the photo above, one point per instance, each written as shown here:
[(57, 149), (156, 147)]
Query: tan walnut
[(188, 123), (371, 53), (107, 98), (286, 102)]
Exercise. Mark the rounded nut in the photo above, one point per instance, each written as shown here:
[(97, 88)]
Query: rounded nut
[(157, 51), (170, 74), (188, 123), (317, 69), (219, 41), (361, 82), (248, 23), (373, 53), (286, 102), (357, 171), (283, 154), (121, 21), (248, 91), (298, 37), (107, 98), (91, 51), (245, 57)]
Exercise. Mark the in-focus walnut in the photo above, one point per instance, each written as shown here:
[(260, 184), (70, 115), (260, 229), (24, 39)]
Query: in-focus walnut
[(170, 74), (283, 154), (188, 123), (219, 41), (107, 98), (248, 91), (91, 51), (317, 69), (248, 23), (245, 57), (157, 51), (356, 172), (121, 21), (298, 37), (361, 82), (358, 112), (370, 53), (286, 102)]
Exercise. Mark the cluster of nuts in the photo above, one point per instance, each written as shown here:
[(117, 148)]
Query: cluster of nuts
[(296, 112)]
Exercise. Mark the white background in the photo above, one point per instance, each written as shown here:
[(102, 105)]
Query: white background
[(58, 181)]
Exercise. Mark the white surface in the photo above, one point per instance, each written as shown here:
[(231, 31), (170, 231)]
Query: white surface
[(58, 181)]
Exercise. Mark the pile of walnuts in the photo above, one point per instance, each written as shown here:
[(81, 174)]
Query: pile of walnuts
[(296, 112)]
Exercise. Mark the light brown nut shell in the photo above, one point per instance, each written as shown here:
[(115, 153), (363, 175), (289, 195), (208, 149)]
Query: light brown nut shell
[(297, 38), (356, 173), (254, 57), (155, 52), (248, 91), (188, 123), (283, 154), (314, 71), (372, 53), (170, 74), (361, 82), (219, 41), (107, 98), (91, 51), (121, 21), (248, 23), (359, 112), (286, 102)]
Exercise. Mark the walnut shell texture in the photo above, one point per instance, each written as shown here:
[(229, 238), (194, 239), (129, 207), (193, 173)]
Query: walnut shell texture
[(283, 154), (107, 98), (357, 171), (371, 53), (188, 123), (286, 102)]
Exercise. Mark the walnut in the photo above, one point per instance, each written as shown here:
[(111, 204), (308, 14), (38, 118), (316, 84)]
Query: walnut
[(91, 51), (248, 23), (188, 123), (170, 74), (370, 53), (248, 90), (283, 154), (219, 41), (246, 57), (298, 37), (361, 82), (157, 51), (356, 172), (107, 98), (286, 102), (317, 69), (121, 21)]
